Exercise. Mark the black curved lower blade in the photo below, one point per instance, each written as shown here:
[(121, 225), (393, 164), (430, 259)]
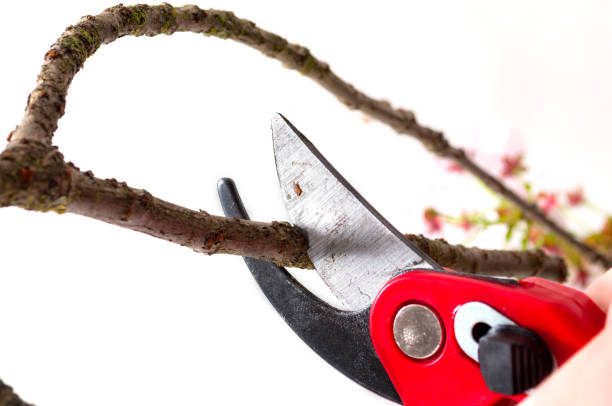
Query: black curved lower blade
[(341, 338)]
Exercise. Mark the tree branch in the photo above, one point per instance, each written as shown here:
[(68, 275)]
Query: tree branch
[(10, 398), (518, 264), (35, 176)]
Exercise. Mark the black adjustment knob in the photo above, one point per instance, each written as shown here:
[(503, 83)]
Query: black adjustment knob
[(513, 359)]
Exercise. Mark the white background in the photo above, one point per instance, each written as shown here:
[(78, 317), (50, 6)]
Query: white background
[(94, 314)]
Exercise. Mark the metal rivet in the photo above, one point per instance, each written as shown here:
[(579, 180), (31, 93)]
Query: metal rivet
[(417, 331)]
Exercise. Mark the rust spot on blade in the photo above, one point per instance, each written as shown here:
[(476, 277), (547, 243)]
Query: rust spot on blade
[(297, 189)]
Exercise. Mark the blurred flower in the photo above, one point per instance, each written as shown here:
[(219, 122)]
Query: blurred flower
[(433, 220), (535, 236), (546, 241), (511, 219), (512, 165), (552, 249), (546, 201), (508, 214), (465, 222), (454, 167), (575, 197)]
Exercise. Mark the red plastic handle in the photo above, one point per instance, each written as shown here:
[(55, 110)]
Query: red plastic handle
[(563, 317)]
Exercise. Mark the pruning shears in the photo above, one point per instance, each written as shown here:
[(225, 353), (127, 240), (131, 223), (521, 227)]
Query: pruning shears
[(414, 332)]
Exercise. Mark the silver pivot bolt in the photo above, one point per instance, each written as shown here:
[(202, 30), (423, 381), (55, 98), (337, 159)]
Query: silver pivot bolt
[(417, 331)]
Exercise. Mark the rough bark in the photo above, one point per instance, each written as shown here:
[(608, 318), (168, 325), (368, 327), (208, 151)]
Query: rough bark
[(34, 175), (517, 264)]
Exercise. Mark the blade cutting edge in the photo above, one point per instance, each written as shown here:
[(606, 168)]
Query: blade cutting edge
[(353, 248)]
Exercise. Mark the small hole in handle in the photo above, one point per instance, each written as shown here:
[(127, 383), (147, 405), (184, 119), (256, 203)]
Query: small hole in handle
[(479, 330)]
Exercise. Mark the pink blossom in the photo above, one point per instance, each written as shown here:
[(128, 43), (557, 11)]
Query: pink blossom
[(454, 167), (433, 220), (512, 165), (575, 197), (465, 223), (546, 201)]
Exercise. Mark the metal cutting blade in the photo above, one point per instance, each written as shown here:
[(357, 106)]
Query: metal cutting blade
[(353, 248)]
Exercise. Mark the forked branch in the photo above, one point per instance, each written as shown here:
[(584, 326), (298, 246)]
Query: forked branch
[(35, 176)]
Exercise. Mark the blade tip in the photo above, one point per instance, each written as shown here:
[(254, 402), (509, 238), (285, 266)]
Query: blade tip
[(277, 122), (281, 128)]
